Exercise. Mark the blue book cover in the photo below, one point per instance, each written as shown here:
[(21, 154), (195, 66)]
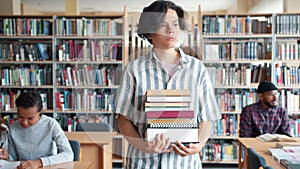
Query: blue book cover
[(43, 49), (46, 27)]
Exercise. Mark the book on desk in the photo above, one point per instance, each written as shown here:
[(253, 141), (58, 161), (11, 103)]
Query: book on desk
[(288, 154), (267, 137), (288, 145), (291, 164)]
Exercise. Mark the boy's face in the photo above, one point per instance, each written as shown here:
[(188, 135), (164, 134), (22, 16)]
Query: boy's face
[(166, 35), (28, 117)]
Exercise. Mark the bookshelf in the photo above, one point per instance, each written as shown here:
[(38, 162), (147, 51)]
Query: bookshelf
[(240, 50), (75, 62), (286, 63), (237, 51), (23, 63)]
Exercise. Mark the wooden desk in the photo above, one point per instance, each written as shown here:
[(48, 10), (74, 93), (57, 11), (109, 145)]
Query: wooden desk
[(95, 147), (261, 148), (71, 165)]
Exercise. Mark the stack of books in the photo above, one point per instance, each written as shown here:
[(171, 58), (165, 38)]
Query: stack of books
[(169, 111), (288, 153), (291, 164)]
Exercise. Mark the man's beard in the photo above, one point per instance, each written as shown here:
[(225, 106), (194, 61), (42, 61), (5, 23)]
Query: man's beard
[(270, 105)]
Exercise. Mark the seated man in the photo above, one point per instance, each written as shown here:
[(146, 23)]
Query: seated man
[(265, 116), (32, 138)]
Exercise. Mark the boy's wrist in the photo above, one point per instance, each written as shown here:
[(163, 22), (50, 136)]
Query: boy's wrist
[(40, 163)]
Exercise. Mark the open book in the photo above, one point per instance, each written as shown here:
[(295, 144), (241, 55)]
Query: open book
[(275, 138)]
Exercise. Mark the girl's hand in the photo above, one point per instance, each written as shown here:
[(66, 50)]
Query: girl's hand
[(3, 154), (30, 164), (183, 151)]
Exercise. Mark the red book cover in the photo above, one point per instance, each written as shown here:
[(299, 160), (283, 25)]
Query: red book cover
[(170, 114), (57, 100), (65, 77), (12, 100), (71, 48)]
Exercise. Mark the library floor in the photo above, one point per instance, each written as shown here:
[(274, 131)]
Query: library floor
[(218, 166), (205, 166)]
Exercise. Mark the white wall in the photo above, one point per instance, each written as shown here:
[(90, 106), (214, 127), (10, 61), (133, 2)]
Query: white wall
[(292, 6), (267, 6), (9, 7)]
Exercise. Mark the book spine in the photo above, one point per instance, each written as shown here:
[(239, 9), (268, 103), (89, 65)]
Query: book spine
[(173, 125), (170, 114), (168, 92)]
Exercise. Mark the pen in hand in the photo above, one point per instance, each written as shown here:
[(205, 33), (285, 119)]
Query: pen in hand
[(1, 145)]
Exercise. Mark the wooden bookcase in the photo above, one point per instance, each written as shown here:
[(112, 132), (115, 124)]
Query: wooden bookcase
[(75, 62)]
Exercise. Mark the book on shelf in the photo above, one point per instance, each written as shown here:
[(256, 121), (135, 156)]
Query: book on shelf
[(43, 48), (183, 132), (267, 137), (220, 150), (212, 52)]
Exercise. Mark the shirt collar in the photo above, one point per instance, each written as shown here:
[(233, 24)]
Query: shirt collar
[(183, 57)]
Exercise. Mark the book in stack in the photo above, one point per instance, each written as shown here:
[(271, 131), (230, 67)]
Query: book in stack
[(288, 154), (290, 164), (169, 111)]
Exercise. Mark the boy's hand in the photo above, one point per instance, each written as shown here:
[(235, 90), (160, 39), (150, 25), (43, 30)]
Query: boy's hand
[(160, 145), (183, 151)]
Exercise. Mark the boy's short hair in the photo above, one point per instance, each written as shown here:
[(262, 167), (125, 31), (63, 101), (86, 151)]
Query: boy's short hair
[(153, 15), (28, 99)]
